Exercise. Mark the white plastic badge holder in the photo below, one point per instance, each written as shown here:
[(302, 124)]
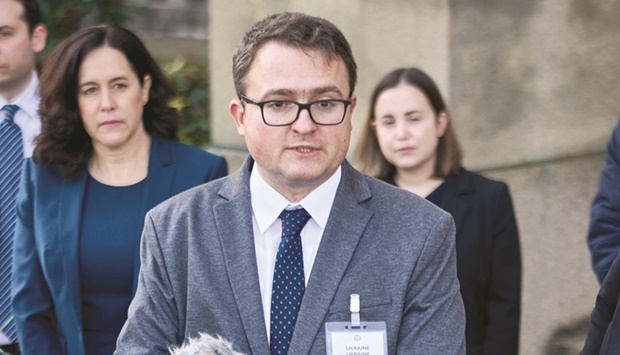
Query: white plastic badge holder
[(356, 337)]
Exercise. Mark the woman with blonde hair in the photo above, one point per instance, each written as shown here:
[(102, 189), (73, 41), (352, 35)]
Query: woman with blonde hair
[(408, 141)]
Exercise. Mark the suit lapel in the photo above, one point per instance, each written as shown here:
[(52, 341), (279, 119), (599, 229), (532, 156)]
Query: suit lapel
[(457, 187), (159, 184), (161, 173), (237, 239), (69, 222), (344, 229)]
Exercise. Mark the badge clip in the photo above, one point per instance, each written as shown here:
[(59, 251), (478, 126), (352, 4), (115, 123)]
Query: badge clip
[(355, 310), (355, 337)]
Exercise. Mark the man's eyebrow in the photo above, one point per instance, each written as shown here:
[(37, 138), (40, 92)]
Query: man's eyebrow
[(283, 92), (327, 89), (315, 91)]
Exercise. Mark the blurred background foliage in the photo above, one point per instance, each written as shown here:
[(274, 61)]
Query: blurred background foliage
[(63, 17), (191, 80), (190, 76)]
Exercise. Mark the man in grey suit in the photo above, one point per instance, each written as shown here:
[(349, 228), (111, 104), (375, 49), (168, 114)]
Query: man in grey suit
[(222, 258)]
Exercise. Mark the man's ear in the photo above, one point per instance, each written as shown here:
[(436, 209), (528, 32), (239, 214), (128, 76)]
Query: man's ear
[(353, 102), (237, 110), (38, 39)]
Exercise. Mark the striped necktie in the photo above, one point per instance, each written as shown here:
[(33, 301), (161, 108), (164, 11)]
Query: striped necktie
[(11, 158), (288, 281)]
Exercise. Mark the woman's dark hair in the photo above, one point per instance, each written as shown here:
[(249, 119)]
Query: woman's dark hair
[(369, 158), (63, 142)]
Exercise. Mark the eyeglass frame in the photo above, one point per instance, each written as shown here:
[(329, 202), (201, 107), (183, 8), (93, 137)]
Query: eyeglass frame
[(300, 107)]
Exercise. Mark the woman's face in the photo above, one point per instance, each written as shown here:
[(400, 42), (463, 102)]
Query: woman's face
[(111, 99), (407, 128)]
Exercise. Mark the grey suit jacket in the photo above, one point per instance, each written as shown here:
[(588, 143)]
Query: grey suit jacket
[(199, 271)]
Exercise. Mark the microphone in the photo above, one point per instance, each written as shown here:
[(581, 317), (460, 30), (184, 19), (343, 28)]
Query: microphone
[(205, 344)]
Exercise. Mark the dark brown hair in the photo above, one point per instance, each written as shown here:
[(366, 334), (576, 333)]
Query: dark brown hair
[(368, 153), (32, 14), (297, 30), (63, 142)]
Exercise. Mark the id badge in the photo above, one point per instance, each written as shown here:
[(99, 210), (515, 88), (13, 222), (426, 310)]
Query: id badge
[(369, 339), (356, 337)]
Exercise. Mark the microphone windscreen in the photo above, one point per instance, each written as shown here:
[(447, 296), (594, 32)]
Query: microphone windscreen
[(205, 344)]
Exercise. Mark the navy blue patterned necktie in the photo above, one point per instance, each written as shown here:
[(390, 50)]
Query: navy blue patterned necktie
[(11, 158), (288, 281)]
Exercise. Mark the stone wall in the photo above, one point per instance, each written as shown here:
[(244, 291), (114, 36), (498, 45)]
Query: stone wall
[(534, 95), (170, 28), (533, 81)]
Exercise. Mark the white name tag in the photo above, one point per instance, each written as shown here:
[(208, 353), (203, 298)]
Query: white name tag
[(343, 339)]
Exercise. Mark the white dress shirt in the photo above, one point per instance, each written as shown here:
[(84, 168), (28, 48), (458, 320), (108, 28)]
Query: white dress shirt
[(27, 118), (267, 204)]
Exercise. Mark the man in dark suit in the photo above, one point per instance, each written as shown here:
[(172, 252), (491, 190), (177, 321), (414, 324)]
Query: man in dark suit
[(604, 231), (603, 337), (22, 36), (604, 243), (220, 258)]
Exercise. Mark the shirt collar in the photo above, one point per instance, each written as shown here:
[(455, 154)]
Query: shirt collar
[(267, 203), (27, 98)]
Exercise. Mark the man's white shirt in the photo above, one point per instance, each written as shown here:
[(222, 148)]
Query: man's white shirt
[(27, 118), (267, 204)]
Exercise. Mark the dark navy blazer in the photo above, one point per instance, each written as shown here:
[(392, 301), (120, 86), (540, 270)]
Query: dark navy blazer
[(46, 293), (603, 336), (604, 231)]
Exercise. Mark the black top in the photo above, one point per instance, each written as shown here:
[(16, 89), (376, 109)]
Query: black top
[(436, 196)]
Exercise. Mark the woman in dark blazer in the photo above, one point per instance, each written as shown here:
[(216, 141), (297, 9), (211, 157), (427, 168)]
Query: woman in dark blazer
[(105, 156), (408, 141)]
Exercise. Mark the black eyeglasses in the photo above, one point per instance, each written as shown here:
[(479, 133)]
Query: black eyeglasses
[(277, 113)]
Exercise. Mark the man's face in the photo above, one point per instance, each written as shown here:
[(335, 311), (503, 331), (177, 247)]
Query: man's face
[(294, 159), (17, 48)]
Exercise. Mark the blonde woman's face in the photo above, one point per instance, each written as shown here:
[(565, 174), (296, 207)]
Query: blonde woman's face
[(407, 128)]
